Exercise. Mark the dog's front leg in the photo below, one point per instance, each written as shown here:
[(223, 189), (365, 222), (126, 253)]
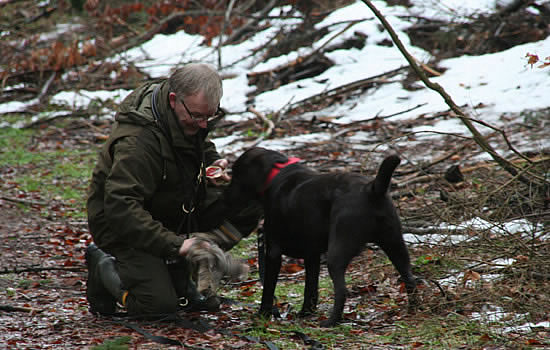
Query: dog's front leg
[(272, 268), (311, 293)]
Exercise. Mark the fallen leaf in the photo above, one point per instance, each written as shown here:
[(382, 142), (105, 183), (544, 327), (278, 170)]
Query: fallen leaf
[(292, 268)]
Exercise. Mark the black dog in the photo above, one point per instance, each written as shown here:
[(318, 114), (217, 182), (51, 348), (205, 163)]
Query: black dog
[(308, 213)]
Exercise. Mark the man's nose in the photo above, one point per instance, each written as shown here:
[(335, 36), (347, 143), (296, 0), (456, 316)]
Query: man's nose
[(202, 123)]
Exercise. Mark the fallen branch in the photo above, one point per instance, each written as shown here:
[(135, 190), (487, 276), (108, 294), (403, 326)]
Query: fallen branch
[(23, 201), (42, 121), (417, 179), (6, 271), (308, 65), (441, 159), (265, 120), (375, 119), (423, 230), (346, 88), (300, 68), (478, 137), (320, 32), (534, 160), (226, 19), (239, 32), (430, 177), (46, 87), (10, 308)]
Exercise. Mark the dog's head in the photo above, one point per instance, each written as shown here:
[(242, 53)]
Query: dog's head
[(249, 174)]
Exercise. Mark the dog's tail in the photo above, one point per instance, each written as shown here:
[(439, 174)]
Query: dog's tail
[(381, 183)]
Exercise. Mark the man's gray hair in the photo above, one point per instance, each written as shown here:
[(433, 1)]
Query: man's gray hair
[(193, 78)]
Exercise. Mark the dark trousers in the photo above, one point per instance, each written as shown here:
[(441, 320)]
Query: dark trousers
[(151, 283), (155, 287)]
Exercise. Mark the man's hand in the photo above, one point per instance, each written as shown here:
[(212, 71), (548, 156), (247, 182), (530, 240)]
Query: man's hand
[(216, 173), (184, 249)]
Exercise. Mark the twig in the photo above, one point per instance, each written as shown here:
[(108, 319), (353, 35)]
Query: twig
[(417, 179), (358, 84), (40, 269), (226, 19), (478, 137), (502, 187), (75, 114), (377, 118), (46, 86), (421, 230), (535, 160), (23, 201), (10, 308), (236, 34), (402, 112), (504, 136), (351, 24), (270, 126), (279, 33), (441, 159)]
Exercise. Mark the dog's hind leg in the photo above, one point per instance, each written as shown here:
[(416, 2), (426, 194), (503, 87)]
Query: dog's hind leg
[(338, 260), (311, 294), (399, 256)]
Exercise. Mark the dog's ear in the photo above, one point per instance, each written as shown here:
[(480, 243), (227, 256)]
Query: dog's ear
[(276, 157)]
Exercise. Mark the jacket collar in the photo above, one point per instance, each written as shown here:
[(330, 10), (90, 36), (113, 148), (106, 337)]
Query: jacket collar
[(277, 167)]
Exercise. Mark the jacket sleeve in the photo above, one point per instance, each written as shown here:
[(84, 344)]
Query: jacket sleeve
[(132, 181), (210, 152)]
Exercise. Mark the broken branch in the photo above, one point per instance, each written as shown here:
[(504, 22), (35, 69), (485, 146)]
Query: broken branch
[(10, 308), (264, 119), (346, 88), (40, 269)]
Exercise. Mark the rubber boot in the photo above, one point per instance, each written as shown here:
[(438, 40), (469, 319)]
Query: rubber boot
[(104, 288)]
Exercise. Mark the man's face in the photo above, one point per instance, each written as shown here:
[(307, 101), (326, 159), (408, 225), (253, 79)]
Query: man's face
[(192, 112)]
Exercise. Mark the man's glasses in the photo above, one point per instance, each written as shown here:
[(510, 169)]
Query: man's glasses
[(217, 115)]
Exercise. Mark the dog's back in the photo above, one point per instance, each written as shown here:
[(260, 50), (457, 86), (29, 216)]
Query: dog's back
[(304, 207)]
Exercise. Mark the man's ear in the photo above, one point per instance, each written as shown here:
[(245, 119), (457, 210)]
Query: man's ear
[(172, 99)]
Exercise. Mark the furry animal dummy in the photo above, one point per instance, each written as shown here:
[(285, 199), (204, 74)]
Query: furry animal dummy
[(212, 264)]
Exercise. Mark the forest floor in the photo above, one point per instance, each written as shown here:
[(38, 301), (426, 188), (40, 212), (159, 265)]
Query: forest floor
[(479, 240), (499, 274)]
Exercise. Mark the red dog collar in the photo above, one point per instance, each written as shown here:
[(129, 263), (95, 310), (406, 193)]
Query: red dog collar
[(276, 169)]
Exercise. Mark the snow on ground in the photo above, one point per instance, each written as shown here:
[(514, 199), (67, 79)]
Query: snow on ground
[(457, 234), (499, 82)]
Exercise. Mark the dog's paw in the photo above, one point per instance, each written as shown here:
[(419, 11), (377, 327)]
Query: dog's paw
[(265, 314), (305, 313), (414, 300), (328, 323)]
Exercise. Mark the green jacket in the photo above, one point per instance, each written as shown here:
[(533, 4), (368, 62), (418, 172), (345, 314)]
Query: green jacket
[(147, 170)]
